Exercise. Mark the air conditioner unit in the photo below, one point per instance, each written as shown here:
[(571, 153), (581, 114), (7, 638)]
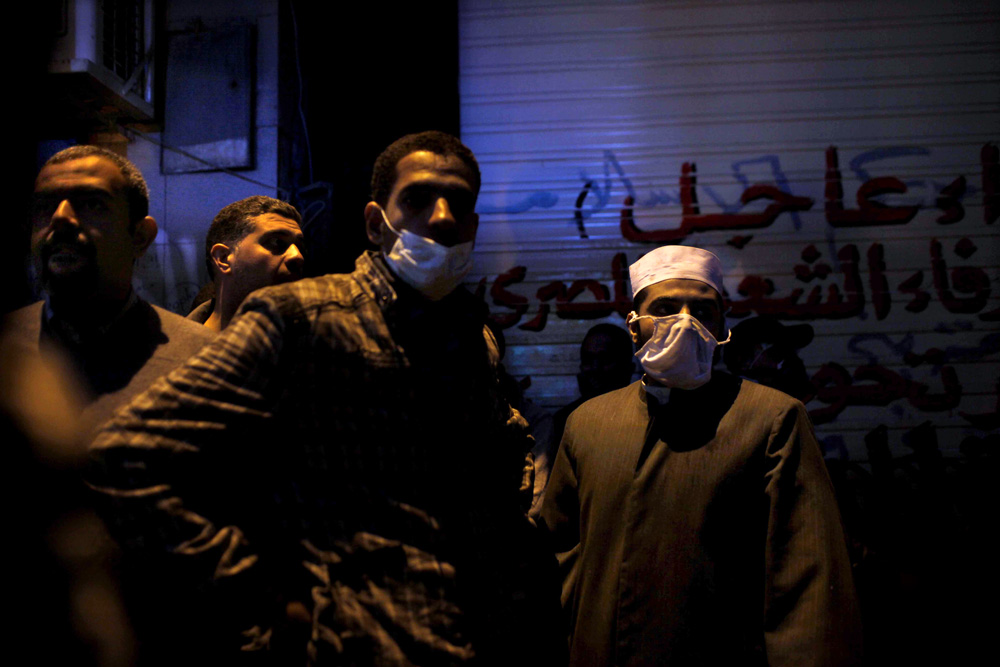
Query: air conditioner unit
[(102, 59)]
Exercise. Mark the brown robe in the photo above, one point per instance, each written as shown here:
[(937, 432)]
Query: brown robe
[(701, 532)]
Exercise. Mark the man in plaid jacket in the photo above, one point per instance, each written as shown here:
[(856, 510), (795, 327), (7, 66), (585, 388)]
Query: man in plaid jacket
[(341, 455)]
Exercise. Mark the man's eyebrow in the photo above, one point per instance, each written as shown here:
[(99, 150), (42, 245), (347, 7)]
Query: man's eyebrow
[(674, 300), (74, 191), (684, 298), (436, 187), (295, 237)]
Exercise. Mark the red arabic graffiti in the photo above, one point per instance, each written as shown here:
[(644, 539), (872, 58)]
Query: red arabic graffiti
[(869, 212), (567, 306), (693, 220), (838, 304), (873, 385), (963, 280), (963, 290), (950, 201)]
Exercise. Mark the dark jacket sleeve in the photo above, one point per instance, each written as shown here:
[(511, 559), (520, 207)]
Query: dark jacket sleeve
[(168, 465)]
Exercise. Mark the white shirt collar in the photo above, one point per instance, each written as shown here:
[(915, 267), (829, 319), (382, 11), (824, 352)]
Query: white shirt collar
[(659, 392)]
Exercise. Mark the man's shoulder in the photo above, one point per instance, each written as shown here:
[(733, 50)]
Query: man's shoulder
[(181, 323), (183, 336), (614, 402), (24, 324), (334, 308), (201, 312), (603, 428), (751, 412), (759, 394), (28, 313), (334, 290)]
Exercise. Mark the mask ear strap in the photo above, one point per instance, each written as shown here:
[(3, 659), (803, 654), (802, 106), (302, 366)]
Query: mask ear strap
[(388, 224)]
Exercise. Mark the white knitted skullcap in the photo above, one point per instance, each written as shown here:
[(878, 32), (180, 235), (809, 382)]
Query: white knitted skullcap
[(676, 261)]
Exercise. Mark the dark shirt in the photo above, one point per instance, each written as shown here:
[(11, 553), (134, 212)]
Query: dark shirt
[(116, 360)]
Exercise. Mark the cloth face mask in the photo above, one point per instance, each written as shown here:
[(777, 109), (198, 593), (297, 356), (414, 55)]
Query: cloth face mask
[(679, 353), (433, 269)]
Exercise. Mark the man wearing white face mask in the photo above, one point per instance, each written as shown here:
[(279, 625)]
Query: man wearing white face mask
[(341, 462), (693, 517), (424, 221)]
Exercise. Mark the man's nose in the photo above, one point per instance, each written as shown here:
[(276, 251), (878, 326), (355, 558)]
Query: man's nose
[(294, 259), (63, 216), (442, 214)]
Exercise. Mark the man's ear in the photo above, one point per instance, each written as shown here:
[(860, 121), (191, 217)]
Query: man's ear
[(220, 255), (143, 235), (633, 330), (374, 223)]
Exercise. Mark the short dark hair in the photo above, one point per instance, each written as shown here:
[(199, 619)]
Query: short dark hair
[(620, 342), (136, 191), (439, 143), (232, 224)]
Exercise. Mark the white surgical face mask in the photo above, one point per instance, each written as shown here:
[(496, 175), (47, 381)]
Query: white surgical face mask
[(679, 353), (433, 269)]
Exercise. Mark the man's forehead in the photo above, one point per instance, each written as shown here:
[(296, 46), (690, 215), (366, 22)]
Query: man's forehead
[(427, 165), (681, 288), (267, 222), (92, 171)]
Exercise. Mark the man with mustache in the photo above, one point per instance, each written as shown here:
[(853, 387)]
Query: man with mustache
[(252, 243), (90, 223)]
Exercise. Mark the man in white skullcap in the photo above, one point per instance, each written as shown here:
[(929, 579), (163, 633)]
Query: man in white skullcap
[(691, 511)]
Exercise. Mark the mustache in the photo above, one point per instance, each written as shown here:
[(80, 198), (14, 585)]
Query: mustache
[(66, 241)]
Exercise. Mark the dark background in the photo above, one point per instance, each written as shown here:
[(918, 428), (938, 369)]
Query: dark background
[(366, 80)]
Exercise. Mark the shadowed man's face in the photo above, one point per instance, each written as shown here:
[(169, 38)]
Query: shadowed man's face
[(269, 255), (82, 239), (432, 197), (678, 295)]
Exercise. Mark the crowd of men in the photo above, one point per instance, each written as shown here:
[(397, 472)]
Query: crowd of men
[(327, 470)]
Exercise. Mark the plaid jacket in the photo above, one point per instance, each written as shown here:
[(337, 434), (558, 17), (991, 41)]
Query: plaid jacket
[(342, 443)]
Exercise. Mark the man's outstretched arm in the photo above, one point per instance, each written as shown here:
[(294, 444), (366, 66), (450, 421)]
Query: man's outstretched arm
[(175, 467)]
